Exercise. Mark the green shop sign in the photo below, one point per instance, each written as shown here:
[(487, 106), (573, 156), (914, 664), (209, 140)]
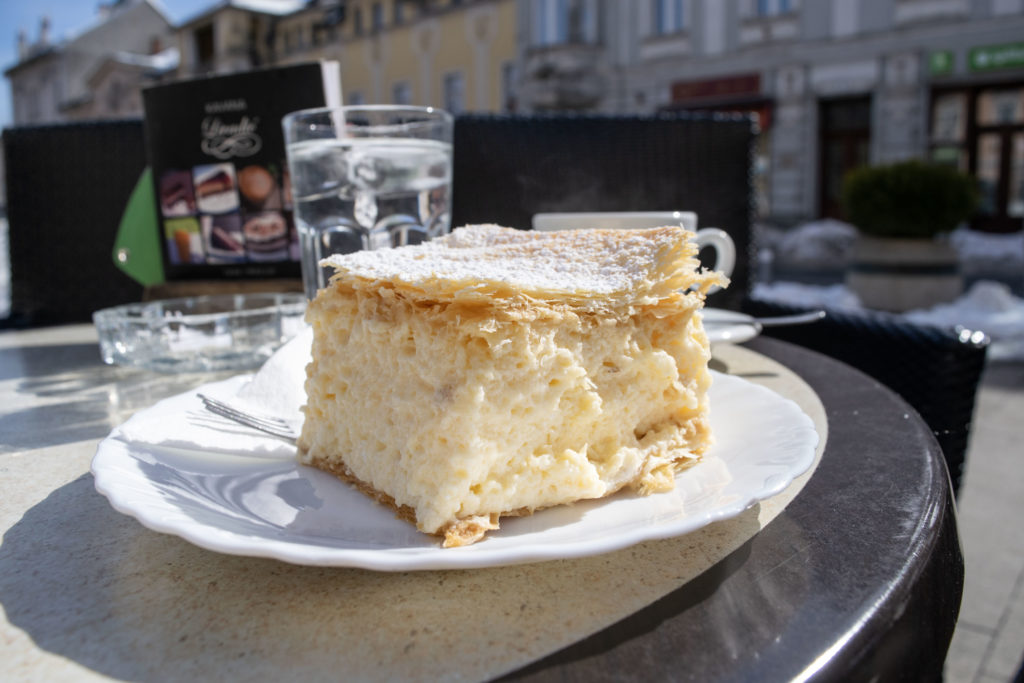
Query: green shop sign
[(940, 62), (996, 57)]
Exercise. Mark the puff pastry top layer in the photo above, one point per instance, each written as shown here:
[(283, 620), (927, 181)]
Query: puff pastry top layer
[(589, 268)]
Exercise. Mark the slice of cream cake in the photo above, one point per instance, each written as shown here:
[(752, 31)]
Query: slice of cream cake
[(493, 372)]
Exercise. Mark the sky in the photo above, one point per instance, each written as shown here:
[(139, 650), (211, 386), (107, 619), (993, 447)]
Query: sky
[(67, 17)]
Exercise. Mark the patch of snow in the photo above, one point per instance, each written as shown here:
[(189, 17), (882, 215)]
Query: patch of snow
[(989, 307), (974, 245), (805, 295), (829, 241), (817, 243)]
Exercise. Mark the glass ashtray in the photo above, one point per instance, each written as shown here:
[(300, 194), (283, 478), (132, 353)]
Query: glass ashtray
[(201, 333)]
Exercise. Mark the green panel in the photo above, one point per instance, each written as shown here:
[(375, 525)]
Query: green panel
[(990, 57), (137, 245), (940, 62)]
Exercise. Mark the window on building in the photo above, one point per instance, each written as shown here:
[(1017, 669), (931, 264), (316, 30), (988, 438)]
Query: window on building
[(844, 142), (949, 130), (550, 21), (988, 159), (454, 92), (556, 22), (999, 156), (399, 10), (55, 90), (34, 111), (115, 94), (203, 38), (997, 107), (771, 8), (18, 104), (916, 11), (355, 98), (669, 17), (981, 130), (401, 93), (45, 84), (508, 86), (357, 21), (335, 15), (254, 42), (949, 117), (1015, 201), (377, 17)]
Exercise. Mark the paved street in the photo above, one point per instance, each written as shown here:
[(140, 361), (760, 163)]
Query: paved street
[(988, 644)]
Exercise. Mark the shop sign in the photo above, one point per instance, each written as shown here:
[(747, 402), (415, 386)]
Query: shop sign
[(996, 57), (717, 88), (940, 62)]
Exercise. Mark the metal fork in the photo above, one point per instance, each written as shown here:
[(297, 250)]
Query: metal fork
[(269, 424), (795, 319)]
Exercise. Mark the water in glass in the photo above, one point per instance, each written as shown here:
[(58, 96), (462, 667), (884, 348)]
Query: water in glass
[(367, 193)]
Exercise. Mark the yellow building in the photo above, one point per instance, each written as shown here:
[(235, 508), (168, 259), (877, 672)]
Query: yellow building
[(457, 55)]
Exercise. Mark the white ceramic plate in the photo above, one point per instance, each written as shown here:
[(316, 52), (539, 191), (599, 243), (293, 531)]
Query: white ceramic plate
[(275, 508), (729, 326)]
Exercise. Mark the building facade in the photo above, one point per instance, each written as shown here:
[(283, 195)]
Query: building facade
[(54, 82), (460, 55), (231, 36), (452, 54), (448, 53), (835, 83)]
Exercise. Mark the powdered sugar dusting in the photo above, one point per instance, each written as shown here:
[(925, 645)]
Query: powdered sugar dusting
[(539, 263)]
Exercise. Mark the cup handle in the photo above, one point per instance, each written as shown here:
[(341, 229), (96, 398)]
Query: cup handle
[(725, 250)]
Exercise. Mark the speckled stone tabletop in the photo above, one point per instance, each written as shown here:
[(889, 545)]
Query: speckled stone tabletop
[(89, 593)]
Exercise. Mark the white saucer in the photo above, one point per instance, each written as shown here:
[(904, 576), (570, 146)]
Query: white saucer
[(729, 326)]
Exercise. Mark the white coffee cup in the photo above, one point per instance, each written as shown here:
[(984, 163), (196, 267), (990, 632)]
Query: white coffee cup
[(719, 240)]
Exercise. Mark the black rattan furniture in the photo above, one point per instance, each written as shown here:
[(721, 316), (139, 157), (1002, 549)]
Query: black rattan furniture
[(67, 186), (69, 183), (508, 168), (935, 370)]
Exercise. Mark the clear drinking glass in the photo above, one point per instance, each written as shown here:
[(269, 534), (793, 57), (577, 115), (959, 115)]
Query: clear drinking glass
[(367, 177)]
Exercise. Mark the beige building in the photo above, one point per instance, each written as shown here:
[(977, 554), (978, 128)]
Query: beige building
[(231, 36), (447, 53), (455, 55)]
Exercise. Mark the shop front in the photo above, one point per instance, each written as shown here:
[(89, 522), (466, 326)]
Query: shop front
[(977, 125)]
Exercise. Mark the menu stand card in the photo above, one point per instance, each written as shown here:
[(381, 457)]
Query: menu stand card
[(217, 154)]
